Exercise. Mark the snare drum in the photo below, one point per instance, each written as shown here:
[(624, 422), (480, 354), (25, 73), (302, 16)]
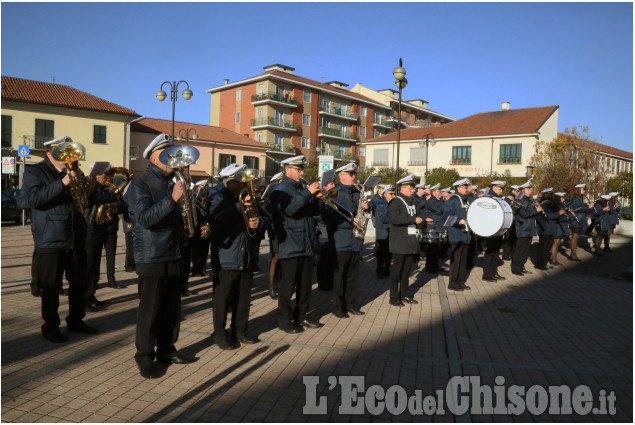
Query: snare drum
[(489, 217), (434, 236)]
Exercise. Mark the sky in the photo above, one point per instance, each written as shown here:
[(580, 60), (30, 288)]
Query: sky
[(463, 58)]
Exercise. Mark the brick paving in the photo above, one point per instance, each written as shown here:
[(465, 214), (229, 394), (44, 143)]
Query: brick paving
[(568, 326)]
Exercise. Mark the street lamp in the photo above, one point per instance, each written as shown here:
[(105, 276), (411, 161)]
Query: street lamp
[(187, 135), (401, 81), (428, 141), (161, 95)]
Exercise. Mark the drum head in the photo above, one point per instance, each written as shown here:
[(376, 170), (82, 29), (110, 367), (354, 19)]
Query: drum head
[(486, 216)]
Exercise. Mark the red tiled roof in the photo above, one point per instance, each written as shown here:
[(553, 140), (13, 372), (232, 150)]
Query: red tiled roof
[(31, 91), (513, 121), (604, 148), (204, 132)]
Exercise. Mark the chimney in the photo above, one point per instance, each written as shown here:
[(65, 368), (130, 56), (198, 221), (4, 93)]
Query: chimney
[(505, 106), (226, 81)]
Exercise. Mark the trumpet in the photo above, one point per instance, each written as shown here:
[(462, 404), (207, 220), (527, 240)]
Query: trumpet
[(329, 200), (69, 153), (117, 179)]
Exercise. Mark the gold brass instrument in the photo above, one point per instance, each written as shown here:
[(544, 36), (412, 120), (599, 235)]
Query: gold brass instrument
[(250, 211), (179, 158), (69, 153), (329, 200), (117, 178)]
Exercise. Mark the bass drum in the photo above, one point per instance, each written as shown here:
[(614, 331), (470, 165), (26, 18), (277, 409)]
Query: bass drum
[(489, 217)]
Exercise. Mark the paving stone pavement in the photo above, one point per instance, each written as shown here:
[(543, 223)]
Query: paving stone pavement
[(568, 326)]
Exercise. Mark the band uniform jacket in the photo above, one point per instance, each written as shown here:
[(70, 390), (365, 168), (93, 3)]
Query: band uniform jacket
[(293, 208), (456, 205), (562, 222), (435, 210), (232, 249), (157, 224), (94, 231), (546, 223), (402, 214), (614, 214), (581, 211), (379, 215), (525, 217), (602, 217), (55, 223), (340, 230)]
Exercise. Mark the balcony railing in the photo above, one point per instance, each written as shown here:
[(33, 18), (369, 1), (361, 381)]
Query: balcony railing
[(258, 122), (384, 123), (281, 148), (461, 162), (339, 112), (36, 142), (344, 156), (509, 160), (335, 132), (380, 163), (417, 162), (271, 96)]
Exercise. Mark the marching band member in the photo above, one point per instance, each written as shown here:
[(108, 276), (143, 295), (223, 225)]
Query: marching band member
[(493, 244), (381, 222), (157, 232), (602, 211), (427, 192), (525, 223), (403, 243), (458, 235), (546, 228), (614, 214), (445, 193), (293, 207), (129, 265), (347, 246), (274, 269), (580, 210), (434, 206), (232, 250), (420, 191), (59, 233), (561, 228), (200, 242), (509, 238)]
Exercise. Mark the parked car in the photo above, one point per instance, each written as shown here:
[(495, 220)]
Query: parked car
[(10, 209)]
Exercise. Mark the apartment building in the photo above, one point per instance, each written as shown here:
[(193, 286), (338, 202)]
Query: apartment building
[(294, 115)]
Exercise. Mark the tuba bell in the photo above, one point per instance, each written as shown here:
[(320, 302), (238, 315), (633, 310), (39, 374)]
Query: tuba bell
[(117, 178), (247, 176), (69, 153), (179, 157)]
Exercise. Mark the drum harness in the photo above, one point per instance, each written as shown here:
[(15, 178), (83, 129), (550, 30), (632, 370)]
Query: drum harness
[(465, 207)]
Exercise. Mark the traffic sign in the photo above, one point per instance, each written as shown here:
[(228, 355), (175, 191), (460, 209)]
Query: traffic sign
[(325, 164), (23, 150), (8, 165)]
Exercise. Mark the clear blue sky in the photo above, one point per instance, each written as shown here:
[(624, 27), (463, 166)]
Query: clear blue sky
[(463, 58)]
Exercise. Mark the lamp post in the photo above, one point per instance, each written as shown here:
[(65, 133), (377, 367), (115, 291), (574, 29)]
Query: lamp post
[(428, 141), (187, 135), (401, 81), (186, 93)]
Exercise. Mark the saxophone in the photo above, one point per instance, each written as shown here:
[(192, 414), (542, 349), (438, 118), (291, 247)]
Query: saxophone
[(69, 153), (117, 179), (363, 216), (249, 211)]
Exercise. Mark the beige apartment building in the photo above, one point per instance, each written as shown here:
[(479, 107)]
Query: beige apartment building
[(218, 147), (296, 115), (34, 112)]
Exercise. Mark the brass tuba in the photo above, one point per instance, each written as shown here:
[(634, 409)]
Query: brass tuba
[(179, 157), (69, 153), (249, 211), (117, 178)]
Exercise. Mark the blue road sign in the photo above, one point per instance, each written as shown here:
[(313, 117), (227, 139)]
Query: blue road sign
[(23, 150)]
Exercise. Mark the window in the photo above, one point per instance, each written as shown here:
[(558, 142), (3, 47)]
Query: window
[(134, 152), (461, 154), (99, 134), (377, 116), (362, 151), (362, 111), (44, 130), (261, 88), (306, 143), (407, 116), (251, 161), (225, 159), (510, 154), (380, 157), (239, 94), (417, 156), (279, 139), (259, 113), (237, 117), (7, 129), (306, 119), (280, 91), (259, 136), (362, 131), (277, 167), (377, 133), (307, 96), (417, 119)]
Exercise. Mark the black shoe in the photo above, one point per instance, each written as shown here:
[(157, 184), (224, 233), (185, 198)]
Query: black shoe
[(129, 269), (489, 279), (518, 273), (148, 371), (552, 264), (499, 277), (597, 253), (36, 292), (272, 294), (608, 250), (396, 303), (340, 314), (63, 292), (545, 268), (507, 258), (81, 328), (457, 289), (431, 271), (290, 328), (409, 300), (525, 271), (308, 323), (55, 336), (246, 339), (98, 303), (575, 258), (387, 272), (355, 311), (185, 292), (176, 358), (113, 284), (224, 344), (91, 307)]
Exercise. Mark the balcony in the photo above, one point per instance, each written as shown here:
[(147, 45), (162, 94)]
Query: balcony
[(383, 123), (461, 161), (282, 148), (509, 160), (343, 156), (274, 123), (275, 99), (36, 142), (339, 113), (336, 133)]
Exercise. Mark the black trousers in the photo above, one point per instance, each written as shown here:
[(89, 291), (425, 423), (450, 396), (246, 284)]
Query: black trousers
[(94, 250), (490, 260), (297, 275), (50, 268), (199, 250), (509, 240), (471, 250), (325, 266), (158, 317), (383, 255), (345, 281), (400, 275), (129, 260), (432, 257), (233, 290), (185, 268), (458, 266), (544, 248), (520, 254)]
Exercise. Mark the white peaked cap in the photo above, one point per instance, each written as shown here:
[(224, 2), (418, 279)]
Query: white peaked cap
[(295, 160), (436, 186), (577, 186), (277, 176), (231, 169), (462, 182), (548, 190), (159, 142), (348, 167), (410, 179)]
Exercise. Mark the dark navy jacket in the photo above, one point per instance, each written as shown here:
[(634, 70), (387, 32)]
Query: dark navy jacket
[(293, 208), (562, 222), (379, 216), (614, 214), (401, 217), (340, 231), (602, 217), (525, 217), (581, 211), (546, 223), (456, 206), (97, 232), (435, 210)]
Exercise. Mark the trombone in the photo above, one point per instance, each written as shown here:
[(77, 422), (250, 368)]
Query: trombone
[(329, 200)]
